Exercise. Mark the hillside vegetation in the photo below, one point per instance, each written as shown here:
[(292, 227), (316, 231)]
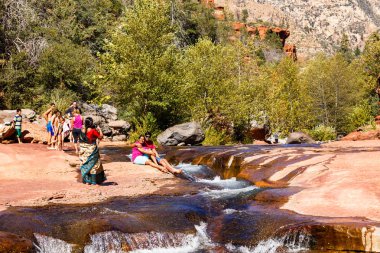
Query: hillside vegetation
[(169, 62)]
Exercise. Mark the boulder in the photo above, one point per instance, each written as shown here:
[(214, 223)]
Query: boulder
[(120, 124), (107, 131), (34, 132), (299, 138), (362, 135), (88, 109), (98, 120), (28, 114), (122, 137), (7, 132), (13, 243), (7, 115), (188, 133), (108, 112)]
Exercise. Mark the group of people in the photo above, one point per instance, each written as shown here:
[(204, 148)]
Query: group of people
[(86, 136), (60, 126), (144, 153)]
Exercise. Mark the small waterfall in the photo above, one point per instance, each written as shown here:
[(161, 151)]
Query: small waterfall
[(290, 243), (46, 244), (149, 242)]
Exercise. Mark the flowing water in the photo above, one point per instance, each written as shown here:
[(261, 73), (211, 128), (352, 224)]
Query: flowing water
[(222, 217)]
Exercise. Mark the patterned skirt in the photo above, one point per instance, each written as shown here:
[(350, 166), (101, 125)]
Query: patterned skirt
[(91, 168)]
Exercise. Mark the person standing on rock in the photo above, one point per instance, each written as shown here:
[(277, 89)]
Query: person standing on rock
[(70, 110), (49, 126), (58, 130), (162, 161), (91, 169), (17, 122), (76, 128)]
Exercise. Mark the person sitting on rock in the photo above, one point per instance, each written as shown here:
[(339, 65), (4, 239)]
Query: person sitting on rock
[(156, 158), (17, 122), (140, 155)]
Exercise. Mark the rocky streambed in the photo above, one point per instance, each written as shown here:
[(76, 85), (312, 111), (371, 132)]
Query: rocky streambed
[(234, 199)]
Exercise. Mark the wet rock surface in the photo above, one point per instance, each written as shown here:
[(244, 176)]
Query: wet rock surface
[(217, 210), (12, 243)]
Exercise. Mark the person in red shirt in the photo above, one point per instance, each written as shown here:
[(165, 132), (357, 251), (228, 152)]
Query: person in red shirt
[(91, 169), (162, 161)]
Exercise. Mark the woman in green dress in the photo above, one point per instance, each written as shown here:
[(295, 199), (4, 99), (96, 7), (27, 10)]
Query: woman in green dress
[(91, 168)]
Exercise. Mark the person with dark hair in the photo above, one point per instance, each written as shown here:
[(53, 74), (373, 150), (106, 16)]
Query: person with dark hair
[(70, 110), (76, 128), (17, 122), (91, 169), (148, 144), (140, 155)]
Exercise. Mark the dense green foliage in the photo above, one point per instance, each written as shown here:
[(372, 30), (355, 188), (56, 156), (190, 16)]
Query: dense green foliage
[(167, 62)]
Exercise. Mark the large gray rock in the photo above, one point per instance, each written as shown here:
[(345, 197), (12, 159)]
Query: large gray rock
[(120, 124), (8, 115), (119, 138), (299, 138), (98, 120), (188, 133), (108, 112), (107, 131), (88, 109)]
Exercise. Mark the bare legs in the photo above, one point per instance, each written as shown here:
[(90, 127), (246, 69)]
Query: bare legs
[(76, 147), (161, 168), (169, 167)]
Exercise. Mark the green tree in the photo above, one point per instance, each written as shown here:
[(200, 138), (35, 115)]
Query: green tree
[(138, 68), (345, 48), (208, 72), (287, 102), (66, 66), (335, 87), (371, 56)]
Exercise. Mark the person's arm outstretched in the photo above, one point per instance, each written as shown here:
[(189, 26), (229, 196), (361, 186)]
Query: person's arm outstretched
[(46, 114)]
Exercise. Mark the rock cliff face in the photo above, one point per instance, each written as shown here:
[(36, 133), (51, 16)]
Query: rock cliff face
[(316, 25)]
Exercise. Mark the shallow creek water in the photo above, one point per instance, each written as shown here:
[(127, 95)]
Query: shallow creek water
[(222, 216)]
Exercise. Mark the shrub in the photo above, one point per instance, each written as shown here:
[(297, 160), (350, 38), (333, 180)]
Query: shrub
[(61, 98), (322, 133), (361, 115), (214, 137), (142, 125)]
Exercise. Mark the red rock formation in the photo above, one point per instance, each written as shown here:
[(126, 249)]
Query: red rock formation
[(361, 136), (377, 120), (219, 13), (262, 31), (251, 30), (283, 34), (237, 26), (291, 51)]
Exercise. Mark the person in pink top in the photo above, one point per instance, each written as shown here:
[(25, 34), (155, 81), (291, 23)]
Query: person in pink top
[(76, 127), (140, 155), (156, 157)]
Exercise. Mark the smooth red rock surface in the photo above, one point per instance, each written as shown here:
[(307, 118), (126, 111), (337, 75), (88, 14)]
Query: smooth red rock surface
[(32, 175)]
